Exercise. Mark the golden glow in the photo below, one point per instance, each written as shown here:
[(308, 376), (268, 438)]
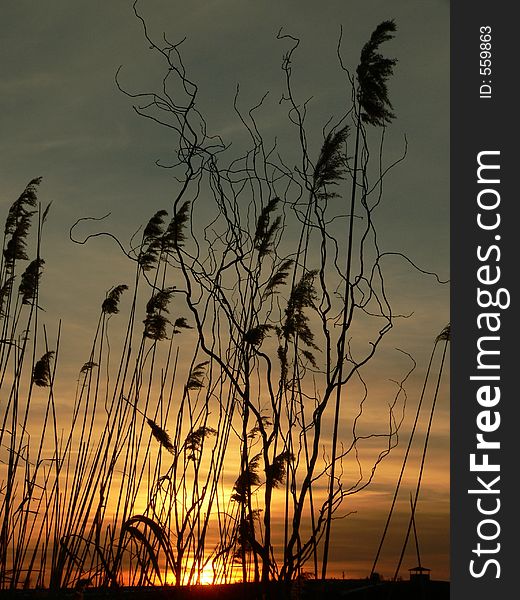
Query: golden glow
[(206, 576)]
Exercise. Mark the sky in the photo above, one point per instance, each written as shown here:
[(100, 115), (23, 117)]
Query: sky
[(63, 117)]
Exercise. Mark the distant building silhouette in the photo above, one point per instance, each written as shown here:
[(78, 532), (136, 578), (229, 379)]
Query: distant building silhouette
[(419, 574)]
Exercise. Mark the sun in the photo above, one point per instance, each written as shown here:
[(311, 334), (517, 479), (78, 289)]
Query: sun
[(206, 576)]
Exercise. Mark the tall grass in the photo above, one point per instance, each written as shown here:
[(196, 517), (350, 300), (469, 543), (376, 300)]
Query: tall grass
[(208, 443)]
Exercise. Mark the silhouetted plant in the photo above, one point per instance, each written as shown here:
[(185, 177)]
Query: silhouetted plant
[(30, 280), (155, 323), (372, 72), (174, 237), (160, 435), (250, 390), (42, 370), (196, 378), (110, 304)]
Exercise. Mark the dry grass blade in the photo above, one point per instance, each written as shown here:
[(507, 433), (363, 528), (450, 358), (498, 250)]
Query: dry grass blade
[(254, 431), (46, 212), (160, 300), (142, 540), (155, 528)]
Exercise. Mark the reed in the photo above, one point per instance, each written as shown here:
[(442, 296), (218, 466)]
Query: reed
[(207, 441)]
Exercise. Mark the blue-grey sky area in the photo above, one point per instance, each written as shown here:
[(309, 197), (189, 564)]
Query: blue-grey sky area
[(62, 117)]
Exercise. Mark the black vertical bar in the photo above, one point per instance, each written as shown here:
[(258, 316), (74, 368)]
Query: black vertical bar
[(484, 118)]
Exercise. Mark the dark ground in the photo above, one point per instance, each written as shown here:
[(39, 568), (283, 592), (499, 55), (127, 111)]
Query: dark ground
[(357, 589)]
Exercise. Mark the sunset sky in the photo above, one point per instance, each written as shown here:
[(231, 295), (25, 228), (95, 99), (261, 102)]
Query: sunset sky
[(63, 118)]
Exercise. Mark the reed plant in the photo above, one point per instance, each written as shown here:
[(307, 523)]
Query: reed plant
[(213, 441)]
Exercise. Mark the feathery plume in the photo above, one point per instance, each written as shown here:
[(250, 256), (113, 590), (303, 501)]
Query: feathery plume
[(18, 223), (42, 370), (445, 334), (265, 230), (110, 304), (16, 246), (30, 280), (372, 73), (254, 431), (195, 438), (246, 480), (5, 290), (196, 378), (151, 246), (180, 323), (160, 435), (330, 168), (155, 322), (275, 472), (256, 335), (278, 278), (154, 227), (27, 198), (284, 364), (88, 366), (174, 236), (296, 322)]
